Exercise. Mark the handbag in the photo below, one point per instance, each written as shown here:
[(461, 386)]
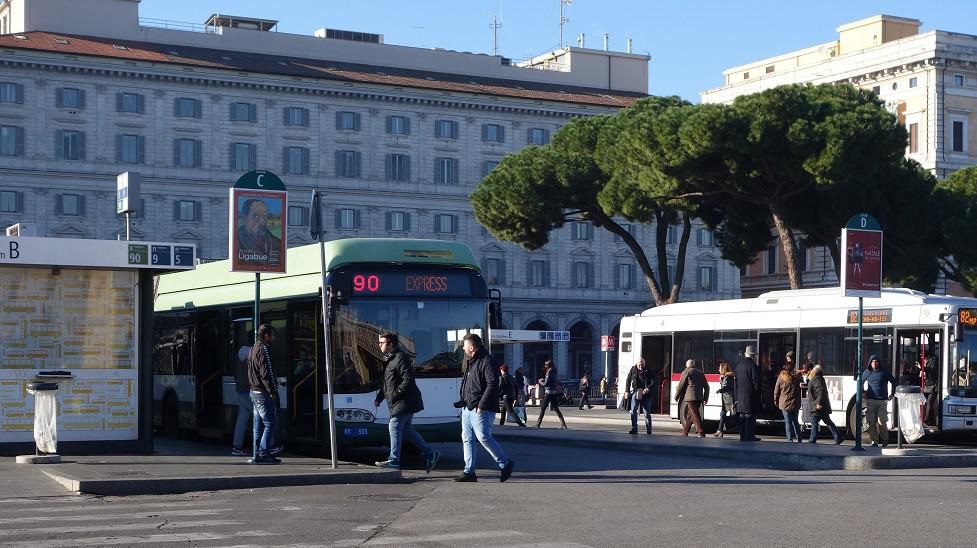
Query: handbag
[(626, 404)]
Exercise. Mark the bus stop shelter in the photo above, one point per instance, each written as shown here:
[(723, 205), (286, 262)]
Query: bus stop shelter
[(80, 313)]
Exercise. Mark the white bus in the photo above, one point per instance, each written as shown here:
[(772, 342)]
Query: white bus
[(905, 328)]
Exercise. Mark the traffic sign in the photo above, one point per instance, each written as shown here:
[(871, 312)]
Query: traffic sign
[(260, 179), (607, 342)]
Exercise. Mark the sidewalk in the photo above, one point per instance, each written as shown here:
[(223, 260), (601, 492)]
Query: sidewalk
[(177, 467), (600, 428)]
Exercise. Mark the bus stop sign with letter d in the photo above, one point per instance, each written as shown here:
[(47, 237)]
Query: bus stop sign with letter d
[(861, 257)]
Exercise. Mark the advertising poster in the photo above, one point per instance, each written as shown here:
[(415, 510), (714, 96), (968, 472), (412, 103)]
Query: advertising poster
[(861, 263), (258, 230)]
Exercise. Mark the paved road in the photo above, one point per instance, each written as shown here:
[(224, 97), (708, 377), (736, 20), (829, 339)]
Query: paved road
[(558, 496)]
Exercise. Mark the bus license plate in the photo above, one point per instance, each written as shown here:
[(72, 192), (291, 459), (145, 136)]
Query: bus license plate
[(355, 432)]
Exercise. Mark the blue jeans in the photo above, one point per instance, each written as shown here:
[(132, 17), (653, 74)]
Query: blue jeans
[(826, 417), (479, 426), (645, 403), (264, 423), (244, 409), (402, 427), (792, 425)]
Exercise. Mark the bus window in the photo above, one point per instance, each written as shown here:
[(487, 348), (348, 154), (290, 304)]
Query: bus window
[(876, 340), (826, 347), (696, 345)]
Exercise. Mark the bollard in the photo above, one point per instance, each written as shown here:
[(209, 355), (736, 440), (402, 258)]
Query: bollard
[(45, 424)]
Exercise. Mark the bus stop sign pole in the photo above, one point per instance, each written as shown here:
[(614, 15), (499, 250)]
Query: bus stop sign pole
[(319, 234)]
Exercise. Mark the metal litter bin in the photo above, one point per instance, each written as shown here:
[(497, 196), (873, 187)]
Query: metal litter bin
[(45, 423), (910, 400)]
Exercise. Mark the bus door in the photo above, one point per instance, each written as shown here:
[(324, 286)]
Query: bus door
[(772, 356), (207, 357), (919, 353), (657, 352), (239, 341), (304, 381)]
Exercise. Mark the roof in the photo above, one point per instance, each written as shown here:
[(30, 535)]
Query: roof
[(311, 68)]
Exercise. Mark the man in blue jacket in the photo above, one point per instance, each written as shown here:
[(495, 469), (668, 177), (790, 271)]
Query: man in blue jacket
[(875, 382), (479, 402)]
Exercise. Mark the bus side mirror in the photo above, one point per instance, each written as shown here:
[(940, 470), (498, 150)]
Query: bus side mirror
[(957, 331)]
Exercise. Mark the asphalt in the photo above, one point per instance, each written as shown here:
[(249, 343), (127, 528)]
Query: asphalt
[(180, 466)]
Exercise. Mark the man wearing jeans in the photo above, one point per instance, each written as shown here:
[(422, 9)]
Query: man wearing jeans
[(877, 399), (264, 395), (403, 399), (479, 401), (640, 387)]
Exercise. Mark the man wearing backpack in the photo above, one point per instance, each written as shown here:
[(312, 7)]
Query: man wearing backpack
[(507, 390)]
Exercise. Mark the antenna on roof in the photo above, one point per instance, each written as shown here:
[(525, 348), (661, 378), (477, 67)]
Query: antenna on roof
[(495, 26), (563, 19)]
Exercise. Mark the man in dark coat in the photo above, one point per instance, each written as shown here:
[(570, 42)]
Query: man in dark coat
[(404, 399), (479, 402), (747, 393)]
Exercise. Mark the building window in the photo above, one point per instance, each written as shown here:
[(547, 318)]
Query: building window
[(913, 138), (802, 256), (244, 112), (243, 156), (11, 141), (958, 80), (347, 164), (129, 102), (446, 224), (130, 149), (583, 274), (398, 125), (671, 235), (769, 69), (493, 133), (347, 120), (538, 273), (707, 278), (488, 166), (295, 160), (629, 228), (186, 107), (347, 218), (10, 201), (298, 216), (187, 153), (537, 136), (446, 129), (913, 82), (398, 167), (398, 221), (296, 116), (70, 98), (582, 231), (11, 92), (69, 144), (446, 171), (186, 210), (625, 276), (70, 204), (958, 135), (493, 271), (705, 238), (771, 259), (876, 90)]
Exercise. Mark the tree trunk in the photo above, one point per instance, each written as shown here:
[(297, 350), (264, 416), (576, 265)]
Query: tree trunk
[(683, 246), (639, 254), (788, 245)]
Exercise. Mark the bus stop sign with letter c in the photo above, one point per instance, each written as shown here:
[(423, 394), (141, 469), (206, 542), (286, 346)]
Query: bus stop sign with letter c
[(861, 257)]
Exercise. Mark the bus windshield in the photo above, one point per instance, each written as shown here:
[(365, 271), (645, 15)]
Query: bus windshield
[(428, 330), (965, 372)]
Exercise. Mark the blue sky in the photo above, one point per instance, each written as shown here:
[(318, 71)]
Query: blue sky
[(690, 43)]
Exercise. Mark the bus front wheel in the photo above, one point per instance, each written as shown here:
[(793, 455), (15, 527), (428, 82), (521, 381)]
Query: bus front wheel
[(852, 418)]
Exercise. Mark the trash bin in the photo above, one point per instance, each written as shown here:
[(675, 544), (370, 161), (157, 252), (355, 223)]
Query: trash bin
[(45, 416), (911, 400)]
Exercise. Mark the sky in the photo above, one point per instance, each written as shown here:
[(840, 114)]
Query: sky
[(690, 43)]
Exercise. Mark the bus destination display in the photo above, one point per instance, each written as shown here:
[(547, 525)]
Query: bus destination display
[(968, 317), (413, 283)]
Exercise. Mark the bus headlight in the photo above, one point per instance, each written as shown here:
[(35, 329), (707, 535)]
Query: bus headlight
[(962, 409), (354, 415)]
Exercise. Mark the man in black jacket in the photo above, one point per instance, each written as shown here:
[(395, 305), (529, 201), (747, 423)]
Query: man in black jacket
[(479, 402), (747, 393), (404, 399)]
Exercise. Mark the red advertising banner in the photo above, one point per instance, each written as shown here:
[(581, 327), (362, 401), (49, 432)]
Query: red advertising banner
[(861, 263), (257, 229)]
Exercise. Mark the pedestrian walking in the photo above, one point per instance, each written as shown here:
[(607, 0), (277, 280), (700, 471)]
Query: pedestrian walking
[(692, 391), (264, 396), (520, 378), (479, 400), (726, 389), (404, 400), (640, 391), (585, 390), (507, 391), (820, 405), (552, 393), (875, 381), (747, 375), (787, 397), (244, 405)]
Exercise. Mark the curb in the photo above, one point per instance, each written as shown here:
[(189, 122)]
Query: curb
[(172, 486)]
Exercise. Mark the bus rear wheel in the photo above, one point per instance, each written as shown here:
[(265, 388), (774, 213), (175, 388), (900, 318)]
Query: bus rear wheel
[(852, 417)]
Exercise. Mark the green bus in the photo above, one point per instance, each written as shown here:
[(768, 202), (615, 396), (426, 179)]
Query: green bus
[(430, 292)]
